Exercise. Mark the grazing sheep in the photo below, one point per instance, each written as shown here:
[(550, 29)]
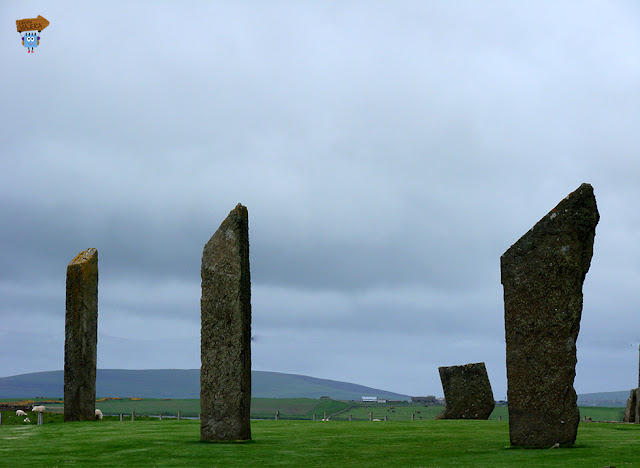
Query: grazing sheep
[(38, 409), (98, 414), (27, 420), (20, 413)]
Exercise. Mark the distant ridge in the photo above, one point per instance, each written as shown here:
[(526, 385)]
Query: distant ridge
[(608, 399), (185, 383)]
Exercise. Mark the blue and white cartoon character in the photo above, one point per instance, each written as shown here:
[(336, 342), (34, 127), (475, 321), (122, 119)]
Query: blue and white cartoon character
[(30, 40)]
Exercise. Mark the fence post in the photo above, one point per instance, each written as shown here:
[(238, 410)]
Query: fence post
[(0, 418), (413, 416), (325, 416), (277, 415), (179, 415), (133, 415), (160, 417), (121, 417), (370, 416), (499, 418), (351, 417), (314, 416), (385, 417), (40, 419)]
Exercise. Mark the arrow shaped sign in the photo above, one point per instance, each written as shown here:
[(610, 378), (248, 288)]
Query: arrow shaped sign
[(32, 24)]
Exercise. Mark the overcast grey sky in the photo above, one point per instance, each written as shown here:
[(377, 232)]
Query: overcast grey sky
[(388, 154)]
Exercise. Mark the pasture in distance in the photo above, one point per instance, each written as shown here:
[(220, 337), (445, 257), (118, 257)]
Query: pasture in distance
[(298, 408)]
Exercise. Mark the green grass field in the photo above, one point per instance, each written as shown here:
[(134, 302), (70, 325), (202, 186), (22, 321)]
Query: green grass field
[(309, 444), (404, 411)]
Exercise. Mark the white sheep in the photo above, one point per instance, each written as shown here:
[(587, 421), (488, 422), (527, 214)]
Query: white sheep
[(38, 409), (27, 420), (98, 414), (20, 413)]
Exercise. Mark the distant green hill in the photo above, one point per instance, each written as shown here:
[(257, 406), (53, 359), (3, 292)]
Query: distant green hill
[(185, 383), (609, 399)]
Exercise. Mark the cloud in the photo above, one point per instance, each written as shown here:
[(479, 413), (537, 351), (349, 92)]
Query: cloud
[(388, 155)]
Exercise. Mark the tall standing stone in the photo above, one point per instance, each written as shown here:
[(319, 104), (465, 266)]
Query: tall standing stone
[(542, 275), (81, 337), (225, 375), (467, 392)]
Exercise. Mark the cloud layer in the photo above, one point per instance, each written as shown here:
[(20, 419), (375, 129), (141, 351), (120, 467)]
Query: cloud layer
[(388, 154)]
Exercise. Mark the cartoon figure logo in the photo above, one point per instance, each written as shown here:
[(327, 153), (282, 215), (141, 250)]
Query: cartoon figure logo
[(31, 40)]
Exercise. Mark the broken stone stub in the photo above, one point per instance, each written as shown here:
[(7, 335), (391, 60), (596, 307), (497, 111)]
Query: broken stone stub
[(542, 276), (467, 392), (81, 337), (632, 405), (225, 375)]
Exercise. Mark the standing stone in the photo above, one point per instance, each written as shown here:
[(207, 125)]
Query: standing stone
[(630, 410), (467, 392), (542, 275), (81, 337), (225, 375)]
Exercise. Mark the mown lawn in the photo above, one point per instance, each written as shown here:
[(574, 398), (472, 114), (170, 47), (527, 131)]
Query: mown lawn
[(306, 443)]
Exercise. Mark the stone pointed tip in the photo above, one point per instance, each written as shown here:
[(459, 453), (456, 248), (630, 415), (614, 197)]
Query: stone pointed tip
[(581, 198), (240, 210), (585, 189)]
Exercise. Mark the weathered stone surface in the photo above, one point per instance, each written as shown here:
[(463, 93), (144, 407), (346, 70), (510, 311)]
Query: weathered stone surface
[(81, 337), (225, 375), (632, 407), (542, 275), (467, 392)]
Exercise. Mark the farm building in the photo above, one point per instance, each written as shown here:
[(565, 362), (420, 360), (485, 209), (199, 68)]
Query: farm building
[(370, 399)]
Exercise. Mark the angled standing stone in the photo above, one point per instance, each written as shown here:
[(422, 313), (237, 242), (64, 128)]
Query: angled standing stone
[(467, 392), (630, 410), (81, 337), (225, 375), (542, 275)]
